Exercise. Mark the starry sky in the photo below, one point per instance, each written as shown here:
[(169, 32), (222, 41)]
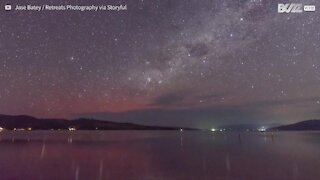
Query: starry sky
[(163, 62)]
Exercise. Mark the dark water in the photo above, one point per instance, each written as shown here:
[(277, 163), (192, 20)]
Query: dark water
[(159, 155)]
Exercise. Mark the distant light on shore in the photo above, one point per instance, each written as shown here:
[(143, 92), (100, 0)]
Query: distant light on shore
[(262, 129), (213, 129)]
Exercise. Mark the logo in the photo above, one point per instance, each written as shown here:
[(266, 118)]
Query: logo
[(295, 8), (290, 8), (309, 8), (7, 7)]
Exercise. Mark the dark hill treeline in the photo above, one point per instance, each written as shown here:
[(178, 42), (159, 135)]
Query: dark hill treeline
[(309, 125), (25, 122)]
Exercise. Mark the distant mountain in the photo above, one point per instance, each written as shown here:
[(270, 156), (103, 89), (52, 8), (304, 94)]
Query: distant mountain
[(27, 122), (309, 125)]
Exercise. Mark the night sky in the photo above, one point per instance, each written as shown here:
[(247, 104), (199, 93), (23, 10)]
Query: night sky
[(163, 62)]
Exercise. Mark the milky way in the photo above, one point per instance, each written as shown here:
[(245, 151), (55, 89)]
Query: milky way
[(193, 63)]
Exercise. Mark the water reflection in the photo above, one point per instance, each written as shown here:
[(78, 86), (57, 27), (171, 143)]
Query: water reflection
[(239, 138), (70, 140), (100, 175), (181, 140), (158, 154), (43, 149), (76, 173), (228, 164)]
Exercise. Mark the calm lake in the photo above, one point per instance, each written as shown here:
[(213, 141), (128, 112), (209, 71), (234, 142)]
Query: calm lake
[(159, 155)]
